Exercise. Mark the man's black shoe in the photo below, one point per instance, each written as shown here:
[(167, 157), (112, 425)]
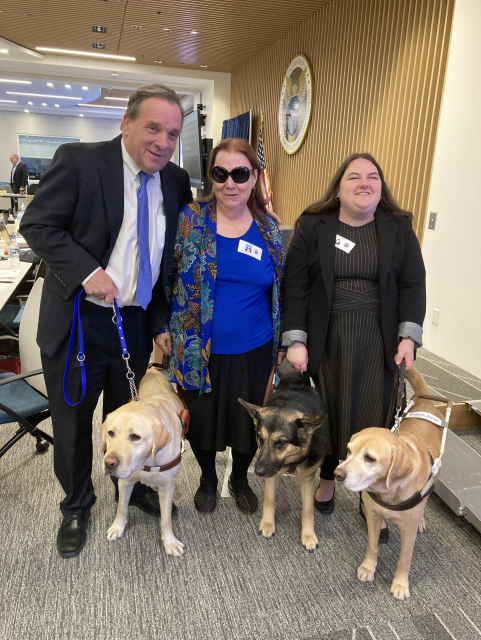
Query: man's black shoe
[(72, 534), (149, 503)]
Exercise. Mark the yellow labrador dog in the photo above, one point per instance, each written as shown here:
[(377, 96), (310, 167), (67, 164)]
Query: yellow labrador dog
[(147, 433), (394, 468)]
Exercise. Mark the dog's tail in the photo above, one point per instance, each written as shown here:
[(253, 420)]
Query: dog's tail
[(417, 382)]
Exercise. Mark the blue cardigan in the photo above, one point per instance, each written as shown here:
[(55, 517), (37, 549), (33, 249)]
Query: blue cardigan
[(192, 295)]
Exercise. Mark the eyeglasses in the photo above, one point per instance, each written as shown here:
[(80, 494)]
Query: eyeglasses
[(239, 175)]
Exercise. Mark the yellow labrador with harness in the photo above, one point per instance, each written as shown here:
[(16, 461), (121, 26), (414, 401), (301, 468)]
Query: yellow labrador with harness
[(143, 442), (396, 471)]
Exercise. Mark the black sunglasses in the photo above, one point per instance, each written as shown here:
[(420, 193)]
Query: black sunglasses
[(239, 175)]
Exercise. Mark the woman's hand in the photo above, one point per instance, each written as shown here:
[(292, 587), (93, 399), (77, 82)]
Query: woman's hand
[(405, 351), (297, 356), (164, 342), (281, 354)]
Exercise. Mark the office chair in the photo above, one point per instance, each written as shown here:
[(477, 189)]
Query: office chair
[(23, 397)]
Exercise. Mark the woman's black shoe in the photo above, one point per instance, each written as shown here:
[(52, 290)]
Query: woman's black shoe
[(384, 535), (245, 498), (205, 499), (326, 507)]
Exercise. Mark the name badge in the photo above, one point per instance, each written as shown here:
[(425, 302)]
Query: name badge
[(250, 249), (344, 244)]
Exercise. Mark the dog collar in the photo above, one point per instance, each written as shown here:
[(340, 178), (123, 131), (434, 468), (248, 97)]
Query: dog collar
[(184, 416), (417, 497)]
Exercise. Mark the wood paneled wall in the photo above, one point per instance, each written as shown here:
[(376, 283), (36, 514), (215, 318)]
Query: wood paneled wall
[(378, 69)]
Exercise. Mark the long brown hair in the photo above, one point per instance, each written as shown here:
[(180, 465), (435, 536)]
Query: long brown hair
[(330, 204), (255, 203)]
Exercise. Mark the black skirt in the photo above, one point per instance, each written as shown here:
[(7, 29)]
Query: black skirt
[(217, 419)]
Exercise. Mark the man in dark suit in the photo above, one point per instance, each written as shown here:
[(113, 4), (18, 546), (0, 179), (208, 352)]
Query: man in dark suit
[(100, 211), (18, 178)]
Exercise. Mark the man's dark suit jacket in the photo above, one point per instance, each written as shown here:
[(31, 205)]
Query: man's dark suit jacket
[(309, 280), (73, 223), (20, 177)]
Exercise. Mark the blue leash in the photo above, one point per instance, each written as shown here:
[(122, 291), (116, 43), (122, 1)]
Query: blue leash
[(77, 325)]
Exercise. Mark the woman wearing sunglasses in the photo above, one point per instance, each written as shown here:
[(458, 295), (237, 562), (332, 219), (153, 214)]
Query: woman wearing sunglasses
[(225, 316)]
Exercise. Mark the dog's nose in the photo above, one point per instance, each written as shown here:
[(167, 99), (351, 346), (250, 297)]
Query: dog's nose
[(111, 462), (260, 471), (340, 474)]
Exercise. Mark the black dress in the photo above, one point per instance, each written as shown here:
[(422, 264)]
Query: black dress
[(353, 377)]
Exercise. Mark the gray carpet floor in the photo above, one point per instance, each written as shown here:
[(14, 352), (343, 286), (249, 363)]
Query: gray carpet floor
[(231, 582)]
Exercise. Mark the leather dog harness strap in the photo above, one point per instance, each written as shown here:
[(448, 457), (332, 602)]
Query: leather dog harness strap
[(413, 500), (184, 417)]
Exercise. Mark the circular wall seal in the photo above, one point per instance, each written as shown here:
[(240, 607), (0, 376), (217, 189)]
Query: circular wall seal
[(295, 104)]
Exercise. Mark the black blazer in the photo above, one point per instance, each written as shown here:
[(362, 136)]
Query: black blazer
[(309, 280), (20, 177), (73, 223)]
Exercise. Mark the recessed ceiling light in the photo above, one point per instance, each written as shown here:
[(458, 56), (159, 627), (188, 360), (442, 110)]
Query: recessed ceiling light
[(56, 105), (111, 98), (85, 53), (85, 88), (67, 86), (167, 30), (80, 115), (26, 111), (158, 61), (30, 15), (204, 66), (12, 101), (3, 50), (195, 33), (49, 84), (31, 103), (136, 26), (114, 75), (13, 81), (44, 104), (100, 106), (42, 95)]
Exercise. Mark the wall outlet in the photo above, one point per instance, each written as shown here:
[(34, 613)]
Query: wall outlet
[(435, 319), (432, 220)]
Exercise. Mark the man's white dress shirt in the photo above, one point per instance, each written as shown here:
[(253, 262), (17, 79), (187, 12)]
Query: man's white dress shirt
[(123, 266)]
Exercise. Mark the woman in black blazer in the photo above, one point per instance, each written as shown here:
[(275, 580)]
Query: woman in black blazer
[(353, 302)]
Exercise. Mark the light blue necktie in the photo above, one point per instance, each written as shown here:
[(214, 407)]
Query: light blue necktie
[(144, 279)]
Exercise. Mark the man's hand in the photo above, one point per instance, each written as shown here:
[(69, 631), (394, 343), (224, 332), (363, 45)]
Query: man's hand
[(101, 286), (297, 356), (405, 351), (164, 342), (273, 215)]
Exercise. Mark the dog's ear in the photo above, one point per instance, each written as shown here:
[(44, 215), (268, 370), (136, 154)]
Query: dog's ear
[(161, 437), (256, 412), (401, 466), (103, 435), (307, 425)]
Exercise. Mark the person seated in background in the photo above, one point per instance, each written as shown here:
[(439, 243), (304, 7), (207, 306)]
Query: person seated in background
[(354, 300), (224, 325)]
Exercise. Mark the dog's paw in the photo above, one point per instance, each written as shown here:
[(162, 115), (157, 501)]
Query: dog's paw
[(174, 548), (400, 590), (267, 529), (422, 526), (309, 541), (365, 574), (115, 532)]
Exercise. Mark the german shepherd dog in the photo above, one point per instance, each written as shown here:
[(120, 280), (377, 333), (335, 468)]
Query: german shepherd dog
[(292, 430)]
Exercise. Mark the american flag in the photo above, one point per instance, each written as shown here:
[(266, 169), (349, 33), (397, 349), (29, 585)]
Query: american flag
[(264, 177)]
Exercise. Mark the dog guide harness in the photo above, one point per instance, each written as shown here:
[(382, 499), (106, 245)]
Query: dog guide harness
[(435, 464)]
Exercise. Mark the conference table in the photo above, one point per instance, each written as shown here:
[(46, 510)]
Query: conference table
[(10, 279)]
